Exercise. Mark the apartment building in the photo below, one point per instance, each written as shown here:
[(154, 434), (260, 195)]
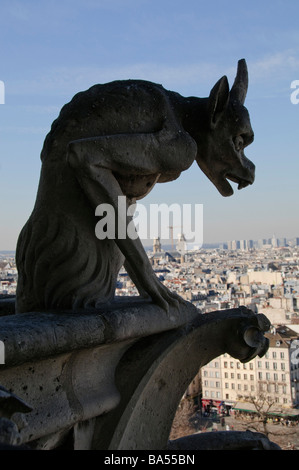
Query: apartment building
[(226, 381)]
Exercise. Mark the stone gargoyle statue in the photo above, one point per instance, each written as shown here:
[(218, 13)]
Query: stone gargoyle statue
[(120, 139)]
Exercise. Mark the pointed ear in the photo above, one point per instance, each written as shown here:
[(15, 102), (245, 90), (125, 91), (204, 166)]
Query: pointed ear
[(218, 100)]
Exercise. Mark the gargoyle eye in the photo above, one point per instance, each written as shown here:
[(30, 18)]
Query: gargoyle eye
[(238, 142)]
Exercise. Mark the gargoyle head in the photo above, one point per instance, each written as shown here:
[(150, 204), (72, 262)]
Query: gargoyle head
[(221, 150)]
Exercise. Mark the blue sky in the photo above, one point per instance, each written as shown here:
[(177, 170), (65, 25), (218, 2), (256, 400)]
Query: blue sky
[(52, 49)]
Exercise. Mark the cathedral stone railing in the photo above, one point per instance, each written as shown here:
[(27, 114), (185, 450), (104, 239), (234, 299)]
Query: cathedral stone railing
[(111, 379)]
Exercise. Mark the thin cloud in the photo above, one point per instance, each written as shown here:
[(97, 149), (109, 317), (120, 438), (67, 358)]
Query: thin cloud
[(275, 66), (196, 78), (65, 80)]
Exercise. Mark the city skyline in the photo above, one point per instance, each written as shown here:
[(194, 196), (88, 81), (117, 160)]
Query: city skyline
[(243, 244), (52, 51)]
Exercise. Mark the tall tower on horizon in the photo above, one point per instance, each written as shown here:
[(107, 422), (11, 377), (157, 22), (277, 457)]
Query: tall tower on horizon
[(157, 245), (274, 241)]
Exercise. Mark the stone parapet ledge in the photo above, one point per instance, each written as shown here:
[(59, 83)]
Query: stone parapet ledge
[(36, 335), (113, 378)]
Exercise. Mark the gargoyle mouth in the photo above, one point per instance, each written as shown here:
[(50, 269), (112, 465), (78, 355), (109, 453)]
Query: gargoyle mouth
[(242, 183), (226, 189)]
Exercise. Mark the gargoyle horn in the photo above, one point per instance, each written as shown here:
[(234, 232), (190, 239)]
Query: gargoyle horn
[(240, 86)]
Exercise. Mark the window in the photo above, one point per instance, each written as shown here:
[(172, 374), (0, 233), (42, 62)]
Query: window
[(283, 366), (260, 375), (225, 364), (275, 365), (274, 354), (282, 355), (232, 375), (251, 377), (267, 365), (259, 364), (231, 365)]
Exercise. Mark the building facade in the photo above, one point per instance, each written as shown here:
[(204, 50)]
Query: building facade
[(226, 381)]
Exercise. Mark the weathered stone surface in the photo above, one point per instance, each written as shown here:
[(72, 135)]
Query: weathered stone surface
[(7, 306), (35, 335), (10, 404), (116, 383), (9, 434), (154, 374)]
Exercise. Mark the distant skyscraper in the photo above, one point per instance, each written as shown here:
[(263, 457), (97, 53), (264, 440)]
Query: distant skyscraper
[(234, 245), (282, 242), (274, 242), (244, 245), (250, 244)]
